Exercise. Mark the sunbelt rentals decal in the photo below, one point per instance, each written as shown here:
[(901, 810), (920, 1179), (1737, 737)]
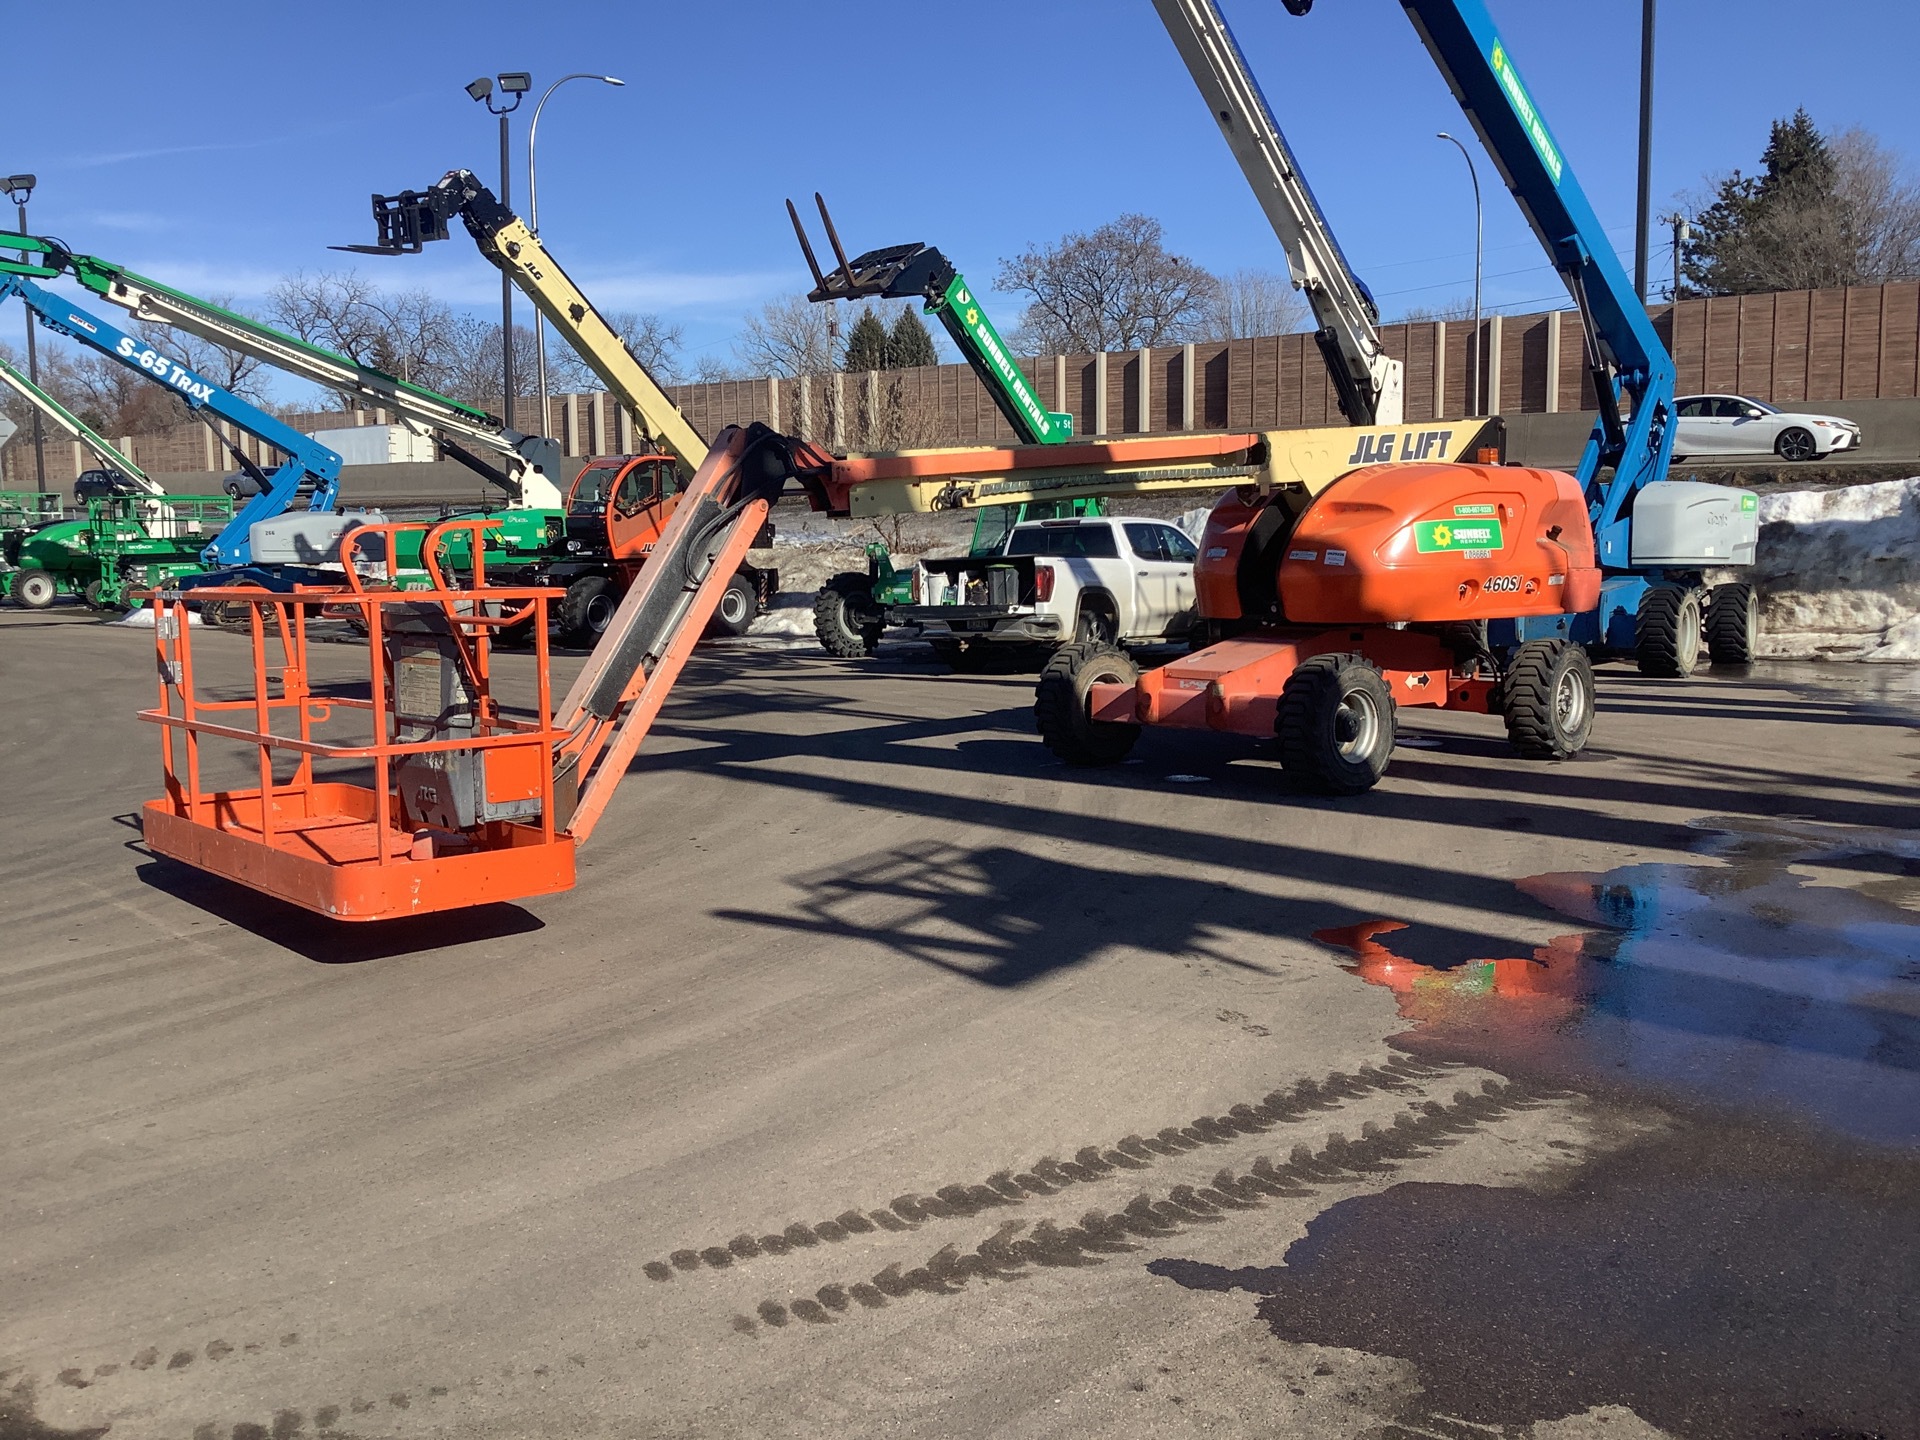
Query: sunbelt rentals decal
[(1523, 109), (1432, 536)]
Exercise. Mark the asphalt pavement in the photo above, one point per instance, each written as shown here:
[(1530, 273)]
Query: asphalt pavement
[(882, 1076)]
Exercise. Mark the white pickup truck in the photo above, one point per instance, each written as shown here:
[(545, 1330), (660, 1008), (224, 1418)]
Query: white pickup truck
[(1129, 582)]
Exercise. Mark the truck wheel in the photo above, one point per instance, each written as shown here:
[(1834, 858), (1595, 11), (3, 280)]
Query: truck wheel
[(585, 610), (1547, 699), (1667, 632), (1094, 627), (1336, 724), (1733, 624), (35, 589), (739, 603), (845, 619), (1060, 704)]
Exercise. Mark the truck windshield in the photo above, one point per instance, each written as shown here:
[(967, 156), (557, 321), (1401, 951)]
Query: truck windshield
[(1093, 542)]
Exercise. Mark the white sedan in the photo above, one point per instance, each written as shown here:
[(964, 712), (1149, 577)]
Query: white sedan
[(1735, 425)]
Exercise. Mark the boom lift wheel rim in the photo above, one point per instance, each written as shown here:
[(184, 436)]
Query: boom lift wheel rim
[(1336, 724), (35, 589)]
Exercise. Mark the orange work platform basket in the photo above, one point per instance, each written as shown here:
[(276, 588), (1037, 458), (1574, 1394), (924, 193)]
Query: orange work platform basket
[(418, 795)]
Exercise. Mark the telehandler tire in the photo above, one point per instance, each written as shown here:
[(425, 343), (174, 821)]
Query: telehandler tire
[(35, 589), (1547, 699), (1336, 724), (1733, 624), (739, 603), (585, 610), (1060, 704), (845, 619), (1667, 632)]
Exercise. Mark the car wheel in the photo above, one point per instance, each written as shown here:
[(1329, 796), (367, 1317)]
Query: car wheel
[(1795, 444)]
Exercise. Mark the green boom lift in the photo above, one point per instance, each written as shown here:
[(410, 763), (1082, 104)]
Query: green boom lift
[(123, 543), (850, 611)]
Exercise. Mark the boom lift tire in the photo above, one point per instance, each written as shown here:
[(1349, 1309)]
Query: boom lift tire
[(1060, 711), (1336, 724), (95, 595), (1667, 632), (739, 602), (844, 618), (35, 589), (1547, 699), (1733, 624), (585, 610)]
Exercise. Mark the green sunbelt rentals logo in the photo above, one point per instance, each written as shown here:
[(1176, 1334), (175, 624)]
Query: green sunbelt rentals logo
[(1430, 536), (1523, 107)]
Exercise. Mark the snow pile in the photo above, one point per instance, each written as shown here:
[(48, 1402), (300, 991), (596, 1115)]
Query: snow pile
[(142, 619), (1839, 573), (790, 616), (1193, 523)]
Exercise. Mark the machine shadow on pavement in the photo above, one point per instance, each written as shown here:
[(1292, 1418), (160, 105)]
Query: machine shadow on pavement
[(332, 942)]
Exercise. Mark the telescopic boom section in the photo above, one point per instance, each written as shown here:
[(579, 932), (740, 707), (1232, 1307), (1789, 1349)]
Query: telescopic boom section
[(309, 464), (920, 272), (1625, 355), (533, 467), (410, 219), (1368, 381), (104, 449), (626, 679)]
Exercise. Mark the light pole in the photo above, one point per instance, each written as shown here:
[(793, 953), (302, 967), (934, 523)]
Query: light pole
[(1643, 211), (19, 191), (533, 223), (515, 83), (1479, 251)]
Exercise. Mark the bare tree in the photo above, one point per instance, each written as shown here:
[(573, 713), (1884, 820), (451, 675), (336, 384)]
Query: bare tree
[(711, 369), (1458, 308), (1114, 288), (788, 337), (648, 338), (1880, 208), (1255, 302), (403, 332)]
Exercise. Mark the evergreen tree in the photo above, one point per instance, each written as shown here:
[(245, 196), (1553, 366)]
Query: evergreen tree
[(910, 345), (1785, 229), (867, 344)]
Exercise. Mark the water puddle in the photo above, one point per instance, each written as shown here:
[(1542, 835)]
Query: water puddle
[(1781, 974)]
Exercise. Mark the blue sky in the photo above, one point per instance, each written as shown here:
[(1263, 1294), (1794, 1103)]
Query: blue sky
[(219, 147)]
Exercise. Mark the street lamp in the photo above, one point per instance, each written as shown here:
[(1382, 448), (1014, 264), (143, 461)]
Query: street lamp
[(1643, 208), (1479, 239), (19, 190), (533, 223), (514, 83), (406, 356)]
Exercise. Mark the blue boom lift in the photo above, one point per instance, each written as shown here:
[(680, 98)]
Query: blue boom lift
[(1655, 536), (262, 544)]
